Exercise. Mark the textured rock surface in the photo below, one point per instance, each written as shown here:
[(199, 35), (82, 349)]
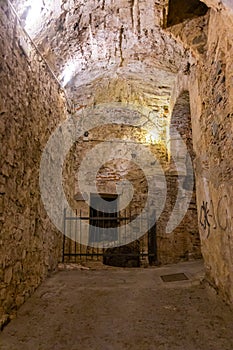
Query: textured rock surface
[(183, 243), (213, 140), (210, 86), (103, 42), (31, 105), (104, 52)]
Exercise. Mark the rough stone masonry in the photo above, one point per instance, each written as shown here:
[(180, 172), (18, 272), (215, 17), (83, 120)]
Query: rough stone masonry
[(118, 52)]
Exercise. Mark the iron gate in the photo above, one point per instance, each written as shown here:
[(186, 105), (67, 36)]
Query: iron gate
[(80, 243)]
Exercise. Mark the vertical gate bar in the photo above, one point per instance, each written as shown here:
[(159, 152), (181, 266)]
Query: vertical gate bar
[(143, 237), (147, 235), (149, 239), (155, 236), (130, 220), (101, 225), (124, 221), (92, 236), (75, 237), (96, 250), (134, 242), (152, 244), (97, 247), (94, 222), (102, 240), (70, 235), (80, 234), (64, 236), (111, 224)]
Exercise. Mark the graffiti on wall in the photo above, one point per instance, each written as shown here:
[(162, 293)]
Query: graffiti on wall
[(218, 216), (204, 217)]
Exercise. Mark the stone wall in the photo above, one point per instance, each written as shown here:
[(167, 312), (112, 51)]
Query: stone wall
[(209, 82), (118, 163), (31, 105), (183, 242), (213, 141)]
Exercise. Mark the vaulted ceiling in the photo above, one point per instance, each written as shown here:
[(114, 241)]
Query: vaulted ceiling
[(107, 48), (98, 42)]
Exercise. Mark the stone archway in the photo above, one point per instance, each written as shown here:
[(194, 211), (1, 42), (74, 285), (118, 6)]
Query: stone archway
[(183, 243)]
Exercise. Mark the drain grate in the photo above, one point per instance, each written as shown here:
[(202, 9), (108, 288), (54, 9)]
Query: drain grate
[(174, 277)]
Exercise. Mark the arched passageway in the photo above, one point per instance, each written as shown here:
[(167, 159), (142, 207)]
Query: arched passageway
[(93, 63)]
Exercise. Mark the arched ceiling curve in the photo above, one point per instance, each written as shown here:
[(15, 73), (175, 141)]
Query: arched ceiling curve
[(98, 47)]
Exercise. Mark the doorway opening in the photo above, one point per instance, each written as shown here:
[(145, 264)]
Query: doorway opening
[(103, 214)]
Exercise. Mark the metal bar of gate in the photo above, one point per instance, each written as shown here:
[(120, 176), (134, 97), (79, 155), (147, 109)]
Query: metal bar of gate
[(152, 244), (96, 218), (149, 238), (64, 236)]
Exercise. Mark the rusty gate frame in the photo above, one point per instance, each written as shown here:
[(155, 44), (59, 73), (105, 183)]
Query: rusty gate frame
[(79, 254)]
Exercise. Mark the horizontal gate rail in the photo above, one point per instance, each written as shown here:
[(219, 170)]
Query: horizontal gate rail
[(73, 248), (100, 218)]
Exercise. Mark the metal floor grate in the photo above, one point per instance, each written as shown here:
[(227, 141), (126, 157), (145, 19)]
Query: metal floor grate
[(174, 277)]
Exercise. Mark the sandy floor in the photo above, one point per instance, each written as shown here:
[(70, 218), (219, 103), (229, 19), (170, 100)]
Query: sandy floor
[(122, 309)]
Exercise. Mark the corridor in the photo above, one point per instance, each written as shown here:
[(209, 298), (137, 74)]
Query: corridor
[(116, 135)]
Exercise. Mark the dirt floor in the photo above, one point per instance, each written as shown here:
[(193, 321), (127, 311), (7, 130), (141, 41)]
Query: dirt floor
[(115, 309)]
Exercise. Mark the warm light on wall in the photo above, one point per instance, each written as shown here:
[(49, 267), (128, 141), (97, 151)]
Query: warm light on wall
[(152, 137), (34, 15), (69, 71)]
